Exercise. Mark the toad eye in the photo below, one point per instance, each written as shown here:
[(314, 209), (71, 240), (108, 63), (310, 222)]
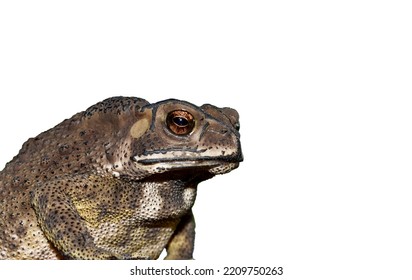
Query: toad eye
[(180, 122)]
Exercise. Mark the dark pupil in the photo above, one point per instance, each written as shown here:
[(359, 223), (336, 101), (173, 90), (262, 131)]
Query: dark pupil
[(180, 121)]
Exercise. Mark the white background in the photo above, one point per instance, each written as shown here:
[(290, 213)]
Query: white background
[(323, 90)]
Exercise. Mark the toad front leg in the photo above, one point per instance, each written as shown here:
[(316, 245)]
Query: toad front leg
[(61, 223), (181, 245)]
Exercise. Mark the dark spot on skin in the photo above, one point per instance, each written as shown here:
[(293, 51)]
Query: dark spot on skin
[(45, 160), (51, 219), (104, 212), (42, 201), (21, 230), (82, 239), (59, 235), (16, 180), (64, 149)]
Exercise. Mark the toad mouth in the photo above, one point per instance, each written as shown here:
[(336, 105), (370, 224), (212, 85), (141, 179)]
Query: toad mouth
[(190, 161), (194, 157), (196, 167)]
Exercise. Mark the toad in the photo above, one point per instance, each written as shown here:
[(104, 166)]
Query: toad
[(116, 181)]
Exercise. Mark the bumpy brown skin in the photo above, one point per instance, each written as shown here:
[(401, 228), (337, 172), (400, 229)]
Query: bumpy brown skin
[(116, 181)]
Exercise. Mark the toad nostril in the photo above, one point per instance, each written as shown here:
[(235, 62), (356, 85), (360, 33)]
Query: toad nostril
[(236, 126)]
